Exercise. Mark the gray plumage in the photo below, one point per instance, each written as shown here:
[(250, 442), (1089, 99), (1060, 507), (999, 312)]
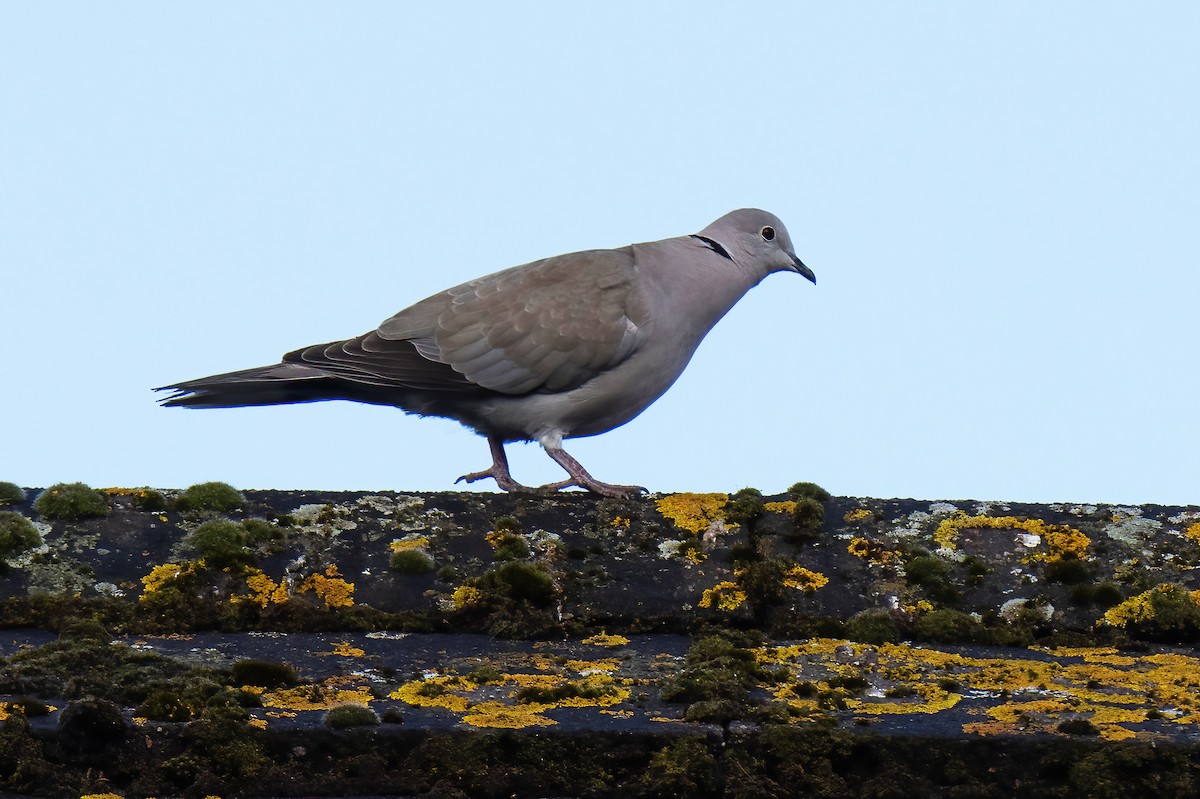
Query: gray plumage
[(569, 346)]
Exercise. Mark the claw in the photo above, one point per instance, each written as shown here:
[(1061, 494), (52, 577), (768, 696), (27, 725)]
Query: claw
[(581, 479)]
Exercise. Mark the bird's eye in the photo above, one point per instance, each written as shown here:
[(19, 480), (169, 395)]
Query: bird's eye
[(768, 233)]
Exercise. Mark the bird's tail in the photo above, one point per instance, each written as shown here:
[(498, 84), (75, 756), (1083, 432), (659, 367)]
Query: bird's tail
[(279, 384)]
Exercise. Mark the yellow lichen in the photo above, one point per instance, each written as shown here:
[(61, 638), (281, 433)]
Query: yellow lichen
[(263, 590), (159, 576), (1061, 540), (784, 506), (483, 707), (725, 595), (409, 542), (497, 715), (316, 697), (1193, 532), (345, 649), (1111, 691), (257, 723), (433, 692), (857, 515), (602, 638), (693, 512), (329, 587), (873, 551), (465, 596), (1140, 608), (805, 580)]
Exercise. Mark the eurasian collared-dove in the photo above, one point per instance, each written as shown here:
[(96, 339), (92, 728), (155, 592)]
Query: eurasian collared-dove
[(573, 345)]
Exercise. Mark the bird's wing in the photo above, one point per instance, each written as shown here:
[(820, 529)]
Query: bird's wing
[(551, 325)]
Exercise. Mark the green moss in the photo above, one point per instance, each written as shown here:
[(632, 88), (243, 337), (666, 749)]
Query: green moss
[(745, 506), (1068, 570), (1078, 727), (213, 496), (263, 673), (506, 525), (932, 575), (804, 490), (28, 706), (523, 582), (260, 532), (567, 690), (149, 500), (351, 715), (84, 630), (873, 626), (511, 547), (165, 706), (411, 561), (762, 580), (220, 543), (71, 502), (17, 534), (808, 519), (716, 681), (485, 674), (10, 493), (949, 627), (392, 716), (683, 769)]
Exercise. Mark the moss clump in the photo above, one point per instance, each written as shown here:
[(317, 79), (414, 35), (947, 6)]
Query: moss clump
[(220, 543), (411, 561), (71, 502), (812, 491), (523, 582), (84, 630), (684, 768), (873, 626), (485, 674), (567, 690), (17, 534), (745, 506), (1103, 595), (27, 706), (808, 519), (1069, 570), (717, 678), (10, 493), (263, 673), (261, 533), (166, 706), (510, 547), (1078, 727), (351, 715), (949, 627), (932, 575), (213, 496), (506, 525)]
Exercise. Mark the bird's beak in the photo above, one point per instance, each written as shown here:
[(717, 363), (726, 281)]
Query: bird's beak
[(799, 268)]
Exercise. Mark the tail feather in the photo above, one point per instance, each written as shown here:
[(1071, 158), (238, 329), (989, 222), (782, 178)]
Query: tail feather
[(279, 384)]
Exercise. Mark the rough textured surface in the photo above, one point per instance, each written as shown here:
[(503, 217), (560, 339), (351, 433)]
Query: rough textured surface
[(688, 636)]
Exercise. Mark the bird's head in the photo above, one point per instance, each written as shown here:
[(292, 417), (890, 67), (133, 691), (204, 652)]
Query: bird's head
[(755, 240)]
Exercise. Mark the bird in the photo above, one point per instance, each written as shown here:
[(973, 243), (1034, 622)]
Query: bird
[(569, 346)]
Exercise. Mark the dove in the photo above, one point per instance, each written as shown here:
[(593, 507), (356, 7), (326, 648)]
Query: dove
[(569, 346)]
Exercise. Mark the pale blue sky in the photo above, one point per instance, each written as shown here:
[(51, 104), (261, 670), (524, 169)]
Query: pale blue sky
[(1000, 200)]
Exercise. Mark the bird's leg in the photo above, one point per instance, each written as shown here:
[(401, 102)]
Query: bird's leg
[(580, 476), (498, 470)]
